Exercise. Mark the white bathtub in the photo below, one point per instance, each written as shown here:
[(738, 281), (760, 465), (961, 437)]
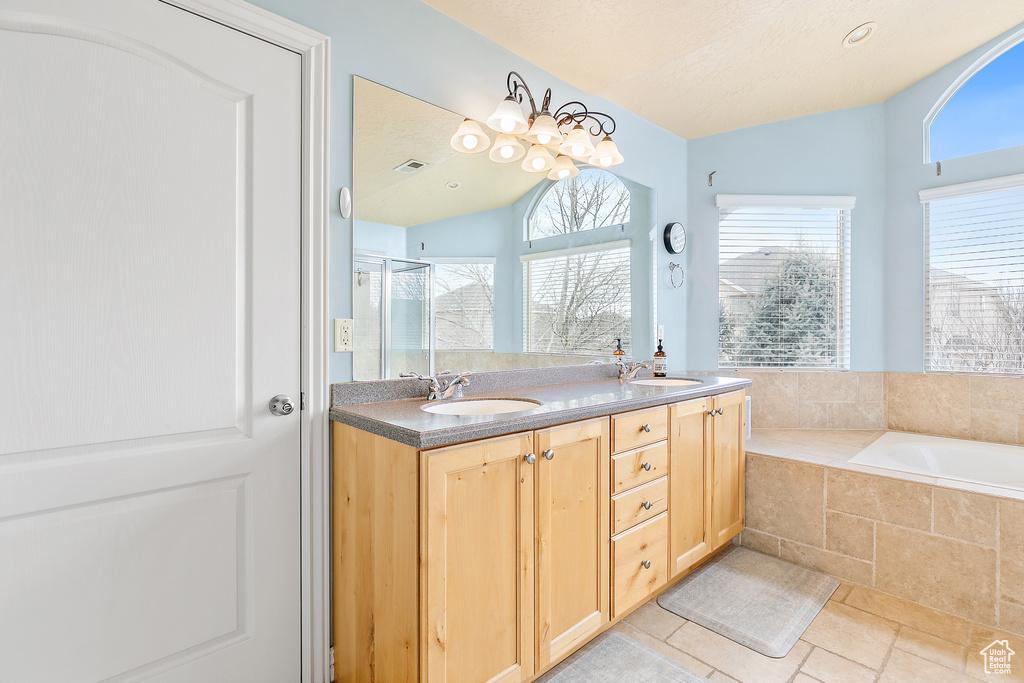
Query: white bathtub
[(993, 464)]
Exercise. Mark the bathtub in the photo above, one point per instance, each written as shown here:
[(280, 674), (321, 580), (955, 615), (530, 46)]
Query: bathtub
[(979, 462)]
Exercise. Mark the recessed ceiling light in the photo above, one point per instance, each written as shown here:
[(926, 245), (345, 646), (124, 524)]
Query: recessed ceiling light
[(860, 34), (453, 184)]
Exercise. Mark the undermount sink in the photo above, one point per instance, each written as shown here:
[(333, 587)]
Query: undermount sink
[(665, 382), (481, 406)]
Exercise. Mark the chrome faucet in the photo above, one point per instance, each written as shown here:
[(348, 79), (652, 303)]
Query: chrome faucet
[(629, 370), (442, 385)]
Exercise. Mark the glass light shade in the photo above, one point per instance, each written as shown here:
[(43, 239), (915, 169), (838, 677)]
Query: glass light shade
[(544, 131), (470, 138), (563, 168), (506, 149), (606, 153), (577, 144), (538, 160), (508, 118)]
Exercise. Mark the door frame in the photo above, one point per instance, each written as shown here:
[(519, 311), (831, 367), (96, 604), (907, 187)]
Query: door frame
[(314, 50)]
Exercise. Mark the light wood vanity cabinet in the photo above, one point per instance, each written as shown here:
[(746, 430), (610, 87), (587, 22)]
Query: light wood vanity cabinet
[(492, 560), (707, 461)]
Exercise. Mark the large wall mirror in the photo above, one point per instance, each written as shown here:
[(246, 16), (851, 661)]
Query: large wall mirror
[(464, 263)]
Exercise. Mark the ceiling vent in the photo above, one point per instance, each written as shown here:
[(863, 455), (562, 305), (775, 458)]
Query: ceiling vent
[(411, 166)]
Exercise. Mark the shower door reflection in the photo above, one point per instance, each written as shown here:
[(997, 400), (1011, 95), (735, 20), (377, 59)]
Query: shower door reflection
[(392, 317)]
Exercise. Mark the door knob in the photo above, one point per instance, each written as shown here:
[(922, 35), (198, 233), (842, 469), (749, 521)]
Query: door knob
[(281, 405)]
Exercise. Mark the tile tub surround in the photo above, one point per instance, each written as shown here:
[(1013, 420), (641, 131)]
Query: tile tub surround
[(960, 406), (392, 408), (937, 546)]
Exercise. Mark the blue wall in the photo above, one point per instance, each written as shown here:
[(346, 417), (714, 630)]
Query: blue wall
[(875, 153), (408, 46)]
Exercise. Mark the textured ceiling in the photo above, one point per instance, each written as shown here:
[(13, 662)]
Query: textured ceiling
[(699, 67), (390, 128)]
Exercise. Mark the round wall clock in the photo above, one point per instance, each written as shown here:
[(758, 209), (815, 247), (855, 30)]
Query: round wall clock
[(675, 238)]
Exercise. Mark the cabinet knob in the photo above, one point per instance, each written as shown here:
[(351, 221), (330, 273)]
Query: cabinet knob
[(646, 428), (646, 467), (646, 505), (720, 411), (646, 564), (711, 412), (530, 458), (549, 454)]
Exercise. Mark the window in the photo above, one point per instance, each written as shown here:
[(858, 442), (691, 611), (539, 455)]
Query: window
[(784, 281), (974, 309), (593, 199), (982, 112), (464, 304), (577, 300)]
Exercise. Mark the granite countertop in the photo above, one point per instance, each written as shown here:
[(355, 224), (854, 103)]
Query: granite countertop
[(404, 421)]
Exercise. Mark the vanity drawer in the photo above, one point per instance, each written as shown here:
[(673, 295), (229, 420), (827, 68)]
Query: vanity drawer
[(639, 504), (639, 428), (639, 563), (639, 467)]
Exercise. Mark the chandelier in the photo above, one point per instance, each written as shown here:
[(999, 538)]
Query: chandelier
[(539, 140)]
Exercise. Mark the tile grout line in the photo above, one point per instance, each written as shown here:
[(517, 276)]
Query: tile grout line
[(888, 653)]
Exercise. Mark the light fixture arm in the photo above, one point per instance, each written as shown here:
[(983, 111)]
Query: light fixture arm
[(577, 112)]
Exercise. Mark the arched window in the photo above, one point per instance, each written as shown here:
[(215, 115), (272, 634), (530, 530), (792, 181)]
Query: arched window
[(981, 112), (593, 199)]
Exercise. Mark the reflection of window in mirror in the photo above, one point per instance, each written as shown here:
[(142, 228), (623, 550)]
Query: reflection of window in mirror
[(984, 113), (464, 304), (593, 199)]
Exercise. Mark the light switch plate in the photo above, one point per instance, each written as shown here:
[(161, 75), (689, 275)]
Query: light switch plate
[(342, 335)]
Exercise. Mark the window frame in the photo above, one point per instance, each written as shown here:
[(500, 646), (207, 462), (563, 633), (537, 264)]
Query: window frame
[(958, 190), (843, 205), (528, 235)]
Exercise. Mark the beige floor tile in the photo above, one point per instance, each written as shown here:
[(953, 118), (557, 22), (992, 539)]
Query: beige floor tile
[(841, 592), (719, 677), (922, 618), (830, 668), (851, 633), (804, 678), (733, 659), (982, 637), (694, 665), (654, 620), (904, 667), (932, 648)]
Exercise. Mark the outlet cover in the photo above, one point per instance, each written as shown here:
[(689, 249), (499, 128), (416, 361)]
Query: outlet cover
[(342, 335)]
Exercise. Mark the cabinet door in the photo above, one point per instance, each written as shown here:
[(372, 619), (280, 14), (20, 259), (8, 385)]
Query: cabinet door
[(573, 489), (690, 484), (477, 558), (729, 447)]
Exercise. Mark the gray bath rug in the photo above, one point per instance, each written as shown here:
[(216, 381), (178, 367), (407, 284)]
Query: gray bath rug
[(616, 658), (752, 599)]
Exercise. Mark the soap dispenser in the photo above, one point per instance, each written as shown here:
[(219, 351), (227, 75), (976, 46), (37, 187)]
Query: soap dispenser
[(618, 348), (660, 362)]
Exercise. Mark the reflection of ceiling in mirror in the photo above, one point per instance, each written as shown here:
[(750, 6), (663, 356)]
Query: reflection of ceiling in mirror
[(697, 68), (389, 129)]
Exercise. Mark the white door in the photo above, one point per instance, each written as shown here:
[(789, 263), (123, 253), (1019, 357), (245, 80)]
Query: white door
[(149, 310)]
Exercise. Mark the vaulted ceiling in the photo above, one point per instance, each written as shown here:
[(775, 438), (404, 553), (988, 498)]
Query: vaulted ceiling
[(699, 67)]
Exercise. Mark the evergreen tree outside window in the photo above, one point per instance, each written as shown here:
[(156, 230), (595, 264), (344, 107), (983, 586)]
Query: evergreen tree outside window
[(784, 281)]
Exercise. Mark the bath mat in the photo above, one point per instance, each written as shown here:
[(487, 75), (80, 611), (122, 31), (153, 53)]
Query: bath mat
[(752, 599), (616, 658)]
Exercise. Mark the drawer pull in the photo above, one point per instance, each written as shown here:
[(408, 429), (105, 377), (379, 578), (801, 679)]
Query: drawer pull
[(646, 428), (646, 505), (549, 454), (646, 564), (646, 467), (530, 458)]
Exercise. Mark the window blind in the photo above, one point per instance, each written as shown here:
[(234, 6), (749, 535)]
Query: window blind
[(784, 281), (974, 304), (464, 304), (577, 300)]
